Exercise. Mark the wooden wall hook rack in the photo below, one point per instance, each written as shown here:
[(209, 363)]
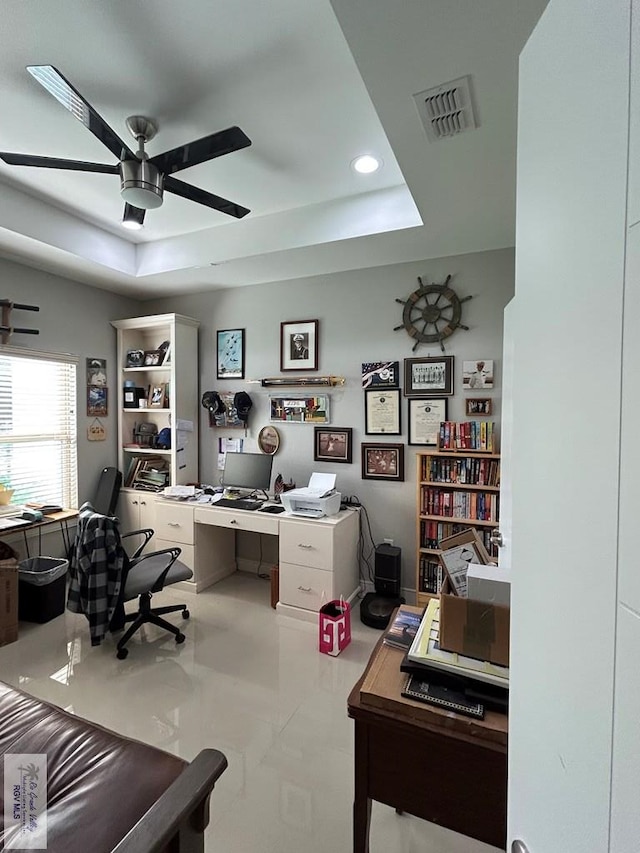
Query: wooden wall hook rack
[(6, 329)]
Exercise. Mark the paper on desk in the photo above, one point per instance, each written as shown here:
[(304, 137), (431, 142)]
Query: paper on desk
[(319, 486), (179, 491)]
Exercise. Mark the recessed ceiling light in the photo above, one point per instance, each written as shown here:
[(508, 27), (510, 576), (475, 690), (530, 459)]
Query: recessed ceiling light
[(366, 164)]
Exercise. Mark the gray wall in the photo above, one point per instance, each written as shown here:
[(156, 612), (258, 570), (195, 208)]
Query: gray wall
[(72, 319), (357, 313)]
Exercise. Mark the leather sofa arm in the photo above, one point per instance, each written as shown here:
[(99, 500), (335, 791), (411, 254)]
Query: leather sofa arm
[(181, 814)]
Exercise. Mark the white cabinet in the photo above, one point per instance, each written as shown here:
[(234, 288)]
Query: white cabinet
[(136, 510), (318, 562)]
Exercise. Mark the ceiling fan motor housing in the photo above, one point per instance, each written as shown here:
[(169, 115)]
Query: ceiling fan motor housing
[(141, 184)]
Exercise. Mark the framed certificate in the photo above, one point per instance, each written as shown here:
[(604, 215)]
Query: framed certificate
[(382, 411), (424, 420)]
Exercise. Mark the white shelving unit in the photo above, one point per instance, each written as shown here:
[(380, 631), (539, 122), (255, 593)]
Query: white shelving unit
[(180, 374)]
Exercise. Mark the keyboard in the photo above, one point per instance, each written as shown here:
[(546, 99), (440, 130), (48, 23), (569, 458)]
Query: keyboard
[(238, 503)]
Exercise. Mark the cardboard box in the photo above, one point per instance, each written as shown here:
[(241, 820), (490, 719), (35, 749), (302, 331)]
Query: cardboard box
[(491, 584), (456, 552), (474, 628), (8, 596)]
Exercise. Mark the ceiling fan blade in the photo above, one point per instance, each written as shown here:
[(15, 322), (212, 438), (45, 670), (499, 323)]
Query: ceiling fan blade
[(203, 197), (72, 100), (201, 150), (133, 215), (57, 163)]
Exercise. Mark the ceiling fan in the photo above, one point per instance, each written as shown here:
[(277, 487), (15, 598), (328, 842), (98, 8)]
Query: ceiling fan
[(143, 179)]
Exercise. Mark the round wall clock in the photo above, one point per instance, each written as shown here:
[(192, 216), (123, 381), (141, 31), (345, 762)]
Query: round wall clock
[(431, 313)]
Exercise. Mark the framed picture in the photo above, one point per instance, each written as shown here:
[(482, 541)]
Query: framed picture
[(96, 371), (381, 373), (424, 420), (300, 410), (231, 354), (299, 345), (382, 411), (157, 396), (477, 374), (97, 400), (428, 377), (382, 461), (153, 357), (135, 358), (332, 445), (269, 440), (478, 406)]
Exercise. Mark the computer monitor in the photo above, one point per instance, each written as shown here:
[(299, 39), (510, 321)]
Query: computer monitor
[(250, 471)]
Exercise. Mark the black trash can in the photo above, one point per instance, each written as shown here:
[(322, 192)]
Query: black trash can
[(41, 588)]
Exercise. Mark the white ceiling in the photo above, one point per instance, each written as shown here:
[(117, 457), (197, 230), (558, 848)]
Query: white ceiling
[(312, 83)]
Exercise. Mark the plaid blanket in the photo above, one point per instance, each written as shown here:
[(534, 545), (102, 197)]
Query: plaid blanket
[(95, 568)]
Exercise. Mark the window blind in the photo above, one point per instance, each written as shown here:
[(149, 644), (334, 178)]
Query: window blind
[(38, 427)]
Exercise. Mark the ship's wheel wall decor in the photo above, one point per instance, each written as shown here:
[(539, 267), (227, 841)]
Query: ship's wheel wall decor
[(432, 313)]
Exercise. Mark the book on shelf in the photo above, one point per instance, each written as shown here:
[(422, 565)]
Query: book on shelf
[(402, 631), (426, 649), (433, 693)]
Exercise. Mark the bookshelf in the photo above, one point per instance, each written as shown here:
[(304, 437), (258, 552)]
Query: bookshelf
[(456, 489), (142, 463)]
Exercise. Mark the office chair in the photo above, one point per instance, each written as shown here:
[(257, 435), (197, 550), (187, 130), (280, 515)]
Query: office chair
[(106, 497), (104, 576)]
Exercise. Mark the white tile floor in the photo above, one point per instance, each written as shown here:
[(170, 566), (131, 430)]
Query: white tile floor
[(249, 683)]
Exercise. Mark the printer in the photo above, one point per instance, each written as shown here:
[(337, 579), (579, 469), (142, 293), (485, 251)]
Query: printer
[(317, 499)]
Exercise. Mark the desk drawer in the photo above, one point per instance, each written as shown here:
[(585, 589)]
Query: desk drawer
[(306, 543), (303, 587), (187, 552), (237, 519), (174, 522)]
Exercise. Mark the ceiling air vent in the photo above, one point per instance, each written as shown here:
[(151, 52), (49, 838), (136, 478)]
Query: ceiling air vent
[(446, 110)]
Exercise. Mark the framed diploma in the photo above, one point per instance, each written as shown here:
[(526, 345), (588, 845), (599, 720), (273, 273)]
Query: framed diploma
[(424, 420), (382, 411)]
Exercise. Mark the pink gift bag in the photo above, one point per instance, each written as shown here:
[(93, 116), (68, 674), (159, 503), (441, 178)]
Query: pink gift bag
[(334, 627)]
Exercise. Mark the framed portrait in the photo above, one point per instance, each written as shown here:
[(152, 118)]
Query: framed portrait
[(157, 395), (96, 371), (299, 345), (332, 445), (477, 375), (384, 374), (97, 400), (153, 357), (478, 406), (269, 440), (428, 377), (382, 411), (135, 358), (231, 354), (424, 420), (382, 461)]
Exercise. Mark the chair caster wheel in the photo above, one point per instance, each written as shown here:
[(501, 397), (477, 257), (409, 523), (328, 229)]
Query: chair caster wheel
[(185, 614), (122, 653), (180, 638)]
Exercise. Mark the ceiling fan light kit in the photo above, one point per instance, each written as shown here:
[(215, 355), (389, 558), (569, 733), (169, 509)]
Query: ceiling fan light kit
[(143, 180)]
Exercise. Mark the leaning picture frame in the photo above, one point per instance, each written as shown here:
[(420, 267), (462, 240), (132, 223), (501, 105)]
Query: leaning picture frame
[(425, 417), (231, 353), (157, 394), (428, 377), (332, 445), (299, 345), (382, 461)]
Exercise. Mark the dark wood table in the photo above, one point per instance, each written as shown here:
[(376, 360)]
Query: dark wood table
[(434, 764)]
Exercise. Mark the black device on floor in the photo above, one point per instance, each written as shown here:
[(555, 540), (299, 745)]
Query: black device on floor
[(238, 503), (376, 607)]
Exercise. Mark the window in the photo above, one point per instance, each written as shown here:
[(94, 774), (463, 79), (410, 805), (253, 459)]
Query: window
[(38, 432)]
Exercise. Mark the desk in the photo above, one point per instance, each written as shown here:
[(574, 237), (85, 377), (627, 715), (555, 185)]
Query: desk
[(62, 518), (317, 557), (436, 765)]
